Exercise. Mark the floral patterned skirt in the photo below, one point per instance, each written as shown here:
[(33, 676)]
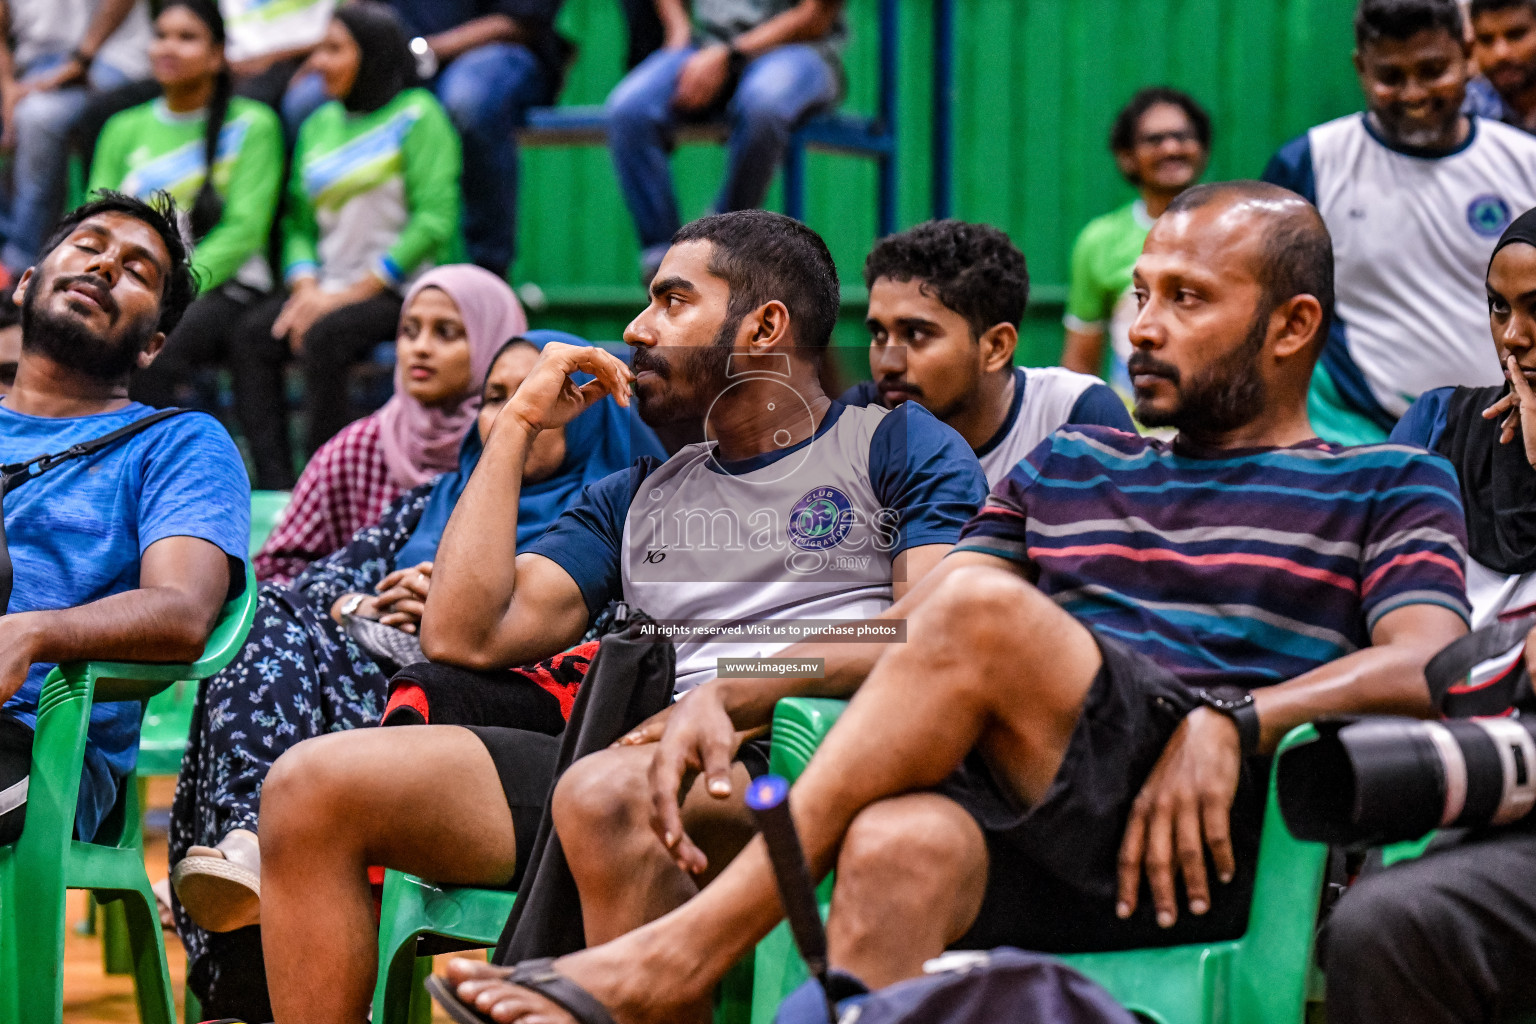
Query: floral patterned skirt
[(299, 676)]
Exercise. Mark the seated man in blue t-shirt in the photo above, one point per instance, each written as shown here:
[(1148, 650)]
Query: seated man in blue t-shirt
[(128, 553), (945, 302), (797, 508)]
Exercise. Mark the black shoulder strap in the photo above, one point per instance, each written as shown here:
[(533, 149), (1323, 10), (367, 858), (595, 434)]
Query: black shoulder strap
[(13, 475)]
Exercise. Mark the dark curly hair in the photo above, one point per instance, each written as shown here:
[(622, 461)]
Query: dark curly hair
[(1403, 19), (1122, 134), (972, 269), (179, 287), (765, 256)]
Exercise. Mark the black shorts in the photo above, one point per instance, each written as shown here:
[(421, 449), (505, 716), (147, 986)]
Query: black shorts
[(15, 768), (526, 763), (1052, 875)]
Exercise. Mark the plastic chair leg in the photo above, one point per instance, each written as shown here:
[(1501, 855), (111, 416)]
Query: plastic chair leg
[(116, 952), (39, 976), (394, 996), (151, 978), (421, 1003)]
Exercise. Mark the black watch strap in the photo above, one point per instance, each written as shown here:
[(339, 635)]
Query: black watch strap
[(1237, 704), (1246, 718)]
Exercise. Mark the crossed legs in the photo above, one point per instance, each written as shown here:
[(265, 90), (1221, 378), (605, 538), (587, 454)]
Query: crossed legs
[(991, 663), (428, 800)]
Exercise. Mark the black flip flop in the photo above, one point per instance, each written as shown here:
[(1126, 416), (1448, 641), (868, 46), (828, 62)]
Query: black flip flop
[(536, 976)]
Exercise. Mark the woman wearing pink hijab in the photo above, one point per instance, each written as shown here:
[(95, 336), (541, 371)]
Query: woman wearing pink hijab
[(455, 319)]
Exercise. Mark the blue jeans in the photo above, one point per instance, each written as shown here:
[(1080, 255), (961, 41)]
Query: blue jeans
[(777, 91), (43, 123), (487, 92)]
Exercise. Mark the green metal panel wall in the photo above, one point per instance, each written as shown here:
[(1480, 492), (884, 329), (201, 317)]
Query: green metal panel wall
[(1036, 85)]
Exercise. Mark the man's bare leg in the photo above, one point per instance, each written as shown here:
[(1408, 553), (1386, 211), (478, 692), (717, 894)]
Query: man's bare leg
[(990, 662), (625, 876), (424, 799), (910, 878)]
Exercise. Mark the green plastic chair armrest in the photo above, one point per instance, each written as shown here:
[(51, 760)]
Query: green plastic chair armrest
[(127, 680), (799, 725)]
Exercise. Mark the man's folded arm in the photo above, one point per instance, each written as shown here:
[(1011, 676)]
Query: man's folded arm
[(544, 615), (492, 606), (1386, 678), (183, 583)]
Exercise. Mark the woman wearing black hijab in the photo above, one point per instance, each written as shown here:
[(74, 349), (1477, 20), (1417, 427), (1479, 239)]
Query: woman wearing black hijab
[(373, 201), (1489, 435)]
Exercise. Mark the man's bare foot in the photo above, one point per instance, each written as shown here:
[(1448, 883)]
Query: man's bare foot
[(636, 988)]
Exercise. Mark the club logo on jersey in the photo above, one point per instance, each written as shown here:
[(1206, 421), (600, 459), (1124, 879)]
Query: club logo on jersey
[(821, 519), (1488, 215)]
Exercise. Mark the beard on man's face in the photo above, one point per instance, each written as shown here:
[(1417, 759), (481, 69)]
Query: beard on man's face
[(1226, 394), (691, 377), (68, 341)]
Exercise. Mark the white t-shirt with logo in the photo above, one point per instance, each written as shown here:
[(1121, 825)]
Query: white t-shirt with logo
[(1412, 236), (806, 533)]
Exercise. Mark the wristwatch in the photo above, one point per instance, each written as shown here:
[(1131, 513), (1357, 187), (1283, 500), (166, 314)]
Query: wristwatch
[(350, 606), (1237, 704), (426, 58)]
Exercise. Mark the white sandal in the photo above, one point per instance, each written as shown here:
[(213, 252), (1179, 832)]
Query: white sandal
[(220, 886)]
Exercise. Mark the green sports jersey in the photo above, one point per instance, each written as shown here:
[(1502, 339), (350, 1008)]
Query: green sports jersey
[(1099, 298), (372, 193), (148, 148)]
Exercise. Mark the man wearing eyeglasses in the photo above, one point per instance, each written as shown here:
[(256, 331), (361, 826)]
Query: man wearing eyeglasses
[(1415, 193), (1161, 140)]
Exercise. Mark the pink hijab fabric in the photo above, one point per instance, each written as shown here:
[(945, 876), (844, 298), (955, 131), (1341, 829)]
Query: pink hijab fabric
[(419, 442)]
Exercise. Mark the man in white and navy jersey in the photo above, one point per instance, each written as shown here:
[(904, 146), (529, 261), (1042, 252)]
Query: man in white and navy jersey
[(1414, 193), (945, 302), (798, 507)]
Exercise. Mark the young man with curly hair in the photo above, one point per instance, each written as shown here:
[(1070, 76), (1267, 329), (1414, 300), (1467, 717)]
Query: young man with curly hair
[(945, 302)]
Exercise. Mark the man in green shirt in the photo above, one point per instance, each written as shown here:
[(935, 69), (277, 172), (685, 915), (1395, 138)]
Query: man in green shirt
[(1161, 140)]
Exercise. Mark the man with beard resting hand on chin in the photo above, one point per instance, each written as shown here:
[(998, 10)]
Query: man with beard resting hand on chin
[(129, 553)]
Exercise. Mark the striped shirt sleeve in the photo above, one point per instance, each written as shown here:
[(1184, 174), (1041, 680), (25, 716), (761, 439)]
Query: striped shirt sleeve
[(999, 527), (1416, 546)]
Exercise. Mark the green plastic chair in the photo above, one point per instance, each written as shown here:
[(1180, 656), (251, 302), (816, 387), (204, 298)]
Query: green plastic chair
[(36, 870), (266, 508), (168, 715), (164, 731), (412, 909), (1260, 978)]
